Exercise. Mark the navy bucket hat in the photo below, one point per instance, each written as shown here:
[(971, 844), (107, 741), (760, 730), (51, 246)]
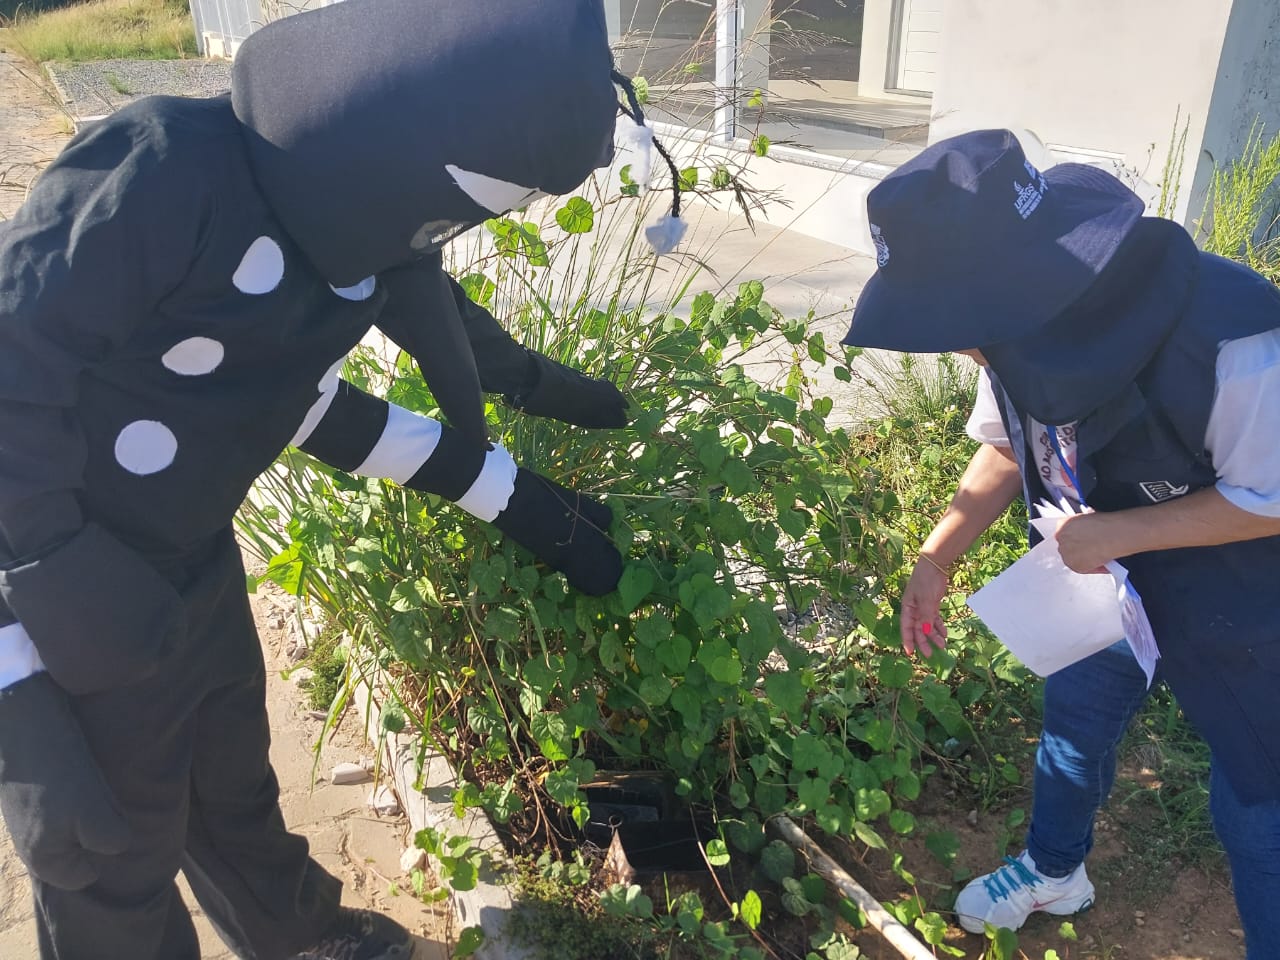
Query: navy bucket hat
[(975, 246)]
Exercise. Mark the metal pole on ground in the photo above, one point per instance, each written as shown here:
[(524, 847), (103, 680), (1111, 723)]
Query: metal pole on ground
[(898, 936)]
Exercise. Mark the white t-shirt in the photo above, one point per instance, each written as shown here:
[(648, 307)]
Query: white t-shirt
[(1241, 437)]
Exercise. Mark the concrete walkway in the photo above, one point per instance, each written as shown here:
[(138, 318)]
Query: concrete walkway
[(33, 129)]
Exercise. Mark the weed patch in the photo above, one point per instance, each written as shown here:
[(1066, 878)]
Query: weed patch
[(105, 30)]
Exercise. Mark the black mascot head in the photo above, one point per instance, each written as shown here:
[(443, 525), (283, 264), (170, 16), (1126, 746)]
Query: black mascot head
[(380, 129)]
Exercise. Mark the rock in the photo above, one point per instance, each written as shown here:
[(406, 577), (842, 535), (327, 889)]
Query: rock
[(1186, 938), (1138, 921), (1139, 914), (317, 715), (413, 859), (301, 675), (368, 763), (972, 818), (1237, 933), (383, 801), (344, 773)]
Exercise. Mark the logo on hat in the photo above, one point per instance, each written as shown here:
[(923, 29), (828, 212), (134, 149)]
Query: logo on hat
[(1161, 490), (882, 246), (1029, 196)]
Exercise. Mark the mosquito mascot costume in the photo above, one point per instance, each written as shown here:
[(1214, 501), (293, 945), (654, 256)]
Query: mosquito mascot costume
[(176, 299)]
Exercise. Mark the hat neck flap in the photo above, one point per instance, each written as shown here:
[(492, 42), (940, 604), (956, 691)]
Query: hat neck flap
[(1089, 354)]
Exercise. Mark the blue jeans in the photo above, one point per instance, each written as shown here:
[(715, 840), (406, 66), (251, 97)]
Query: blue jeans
[(1087, 709)]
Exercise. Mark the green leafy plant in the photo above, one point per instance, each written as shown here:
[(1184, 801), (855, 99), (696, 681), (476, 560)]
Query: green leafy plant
[(558, 918), (458, 859), (470, 939), (736, 500), (751, 652)]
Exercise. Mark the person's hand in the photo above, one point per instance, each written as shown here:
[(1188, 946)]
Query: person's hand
[(563, 393), (1084, 544), (921, 616)]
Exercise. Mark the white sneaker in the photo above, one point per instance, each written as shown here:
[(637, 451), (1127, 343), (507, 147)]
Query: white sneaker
[(1007, 896)]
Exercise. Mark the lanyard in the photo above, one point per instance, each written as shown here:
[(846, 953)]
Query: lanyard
[(1129, 591), (1066, 467)]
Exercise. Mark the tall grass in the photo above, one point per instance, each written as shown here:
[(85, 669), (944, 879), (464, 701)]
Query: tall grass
[(105, 30), (1241, 212)]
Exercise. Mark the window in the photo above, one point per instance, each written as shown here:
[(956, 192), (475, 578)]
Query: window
[(672, 45), (845, 78)]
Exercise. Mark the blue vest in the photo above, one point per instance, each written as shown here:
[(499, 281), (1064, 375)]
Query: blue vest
[(1215, 611)]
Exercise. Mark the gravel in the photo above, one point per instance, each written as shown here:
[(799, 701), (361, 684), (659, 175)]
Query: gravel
[(102, 87)]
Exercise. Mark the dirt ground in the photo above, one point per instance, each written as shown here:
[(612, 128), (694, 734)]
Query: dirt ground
[(1146, 908), (33, 128)]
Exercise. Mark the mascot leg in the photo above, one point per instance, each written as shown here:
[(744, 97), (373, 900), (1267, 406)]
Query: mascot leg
[(184, 753)]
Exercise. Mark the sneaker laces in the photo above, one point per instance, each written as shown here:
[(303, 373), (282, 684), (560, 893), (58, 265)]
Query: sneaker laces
[(1003, 882)]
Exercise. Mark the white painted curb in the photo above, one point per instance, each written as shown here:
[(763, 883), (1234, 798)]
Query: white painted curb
[(489, 905)]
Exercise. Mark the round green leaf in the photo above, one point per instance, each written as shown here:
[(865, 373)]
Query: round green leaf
[(717, 853), (576, 216), (469, 941), (778, 860), (895, 671), (901, 821), (637, 580)]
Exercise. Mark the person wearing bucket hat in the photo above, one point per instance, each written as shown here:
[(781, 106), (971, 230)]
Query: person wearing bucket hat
[(1137, 378), (177, 297)]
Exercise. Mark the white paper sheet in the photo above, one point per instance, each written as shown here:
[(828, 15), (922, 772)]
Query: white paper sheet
[(1133, 615), (1137, 628), (1048, 615)]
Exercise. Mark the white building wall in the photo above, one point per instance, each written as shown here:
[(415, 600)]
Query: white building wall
[(1093, 76), (1246, 90), (1092, 80)]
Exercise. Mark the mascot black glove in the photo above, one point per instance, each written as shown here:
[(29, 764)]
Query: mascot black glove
[(553, 390), (56, 805), (566, 529)]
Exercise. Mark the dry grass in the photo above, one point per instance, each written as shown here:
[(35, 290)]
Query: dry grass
[(105, 30)]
